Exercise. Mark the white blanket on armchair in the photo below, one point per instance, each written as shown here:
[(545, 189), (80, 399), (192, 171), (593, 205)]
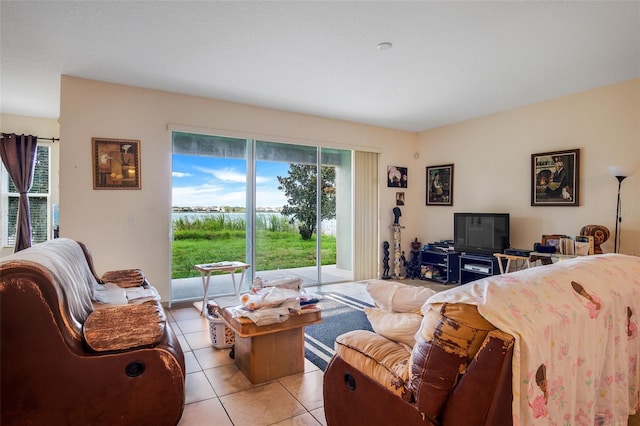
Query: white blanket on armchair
[(577, 349)]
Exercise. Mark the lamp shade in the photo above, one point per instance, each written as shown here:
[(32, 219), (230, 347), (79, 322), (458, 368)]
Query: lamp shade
[(623, 171)]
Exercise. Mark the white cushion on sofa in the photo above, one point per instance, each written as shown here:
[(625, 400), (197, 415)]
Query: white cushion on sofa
[(397, 297), (401, 327)]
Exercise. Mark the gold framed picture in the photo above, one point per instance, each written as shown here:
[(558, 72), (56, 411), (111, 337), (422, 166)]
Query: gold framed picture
[(116, 163)]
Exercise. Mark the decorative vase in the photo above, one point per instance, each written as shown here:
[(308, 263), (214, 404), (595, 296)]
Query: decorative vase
[(600, 234)]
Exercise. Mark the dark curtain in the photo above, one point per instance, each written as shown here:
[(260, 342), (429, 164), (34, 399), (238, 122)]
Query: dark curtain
[(18, 154)]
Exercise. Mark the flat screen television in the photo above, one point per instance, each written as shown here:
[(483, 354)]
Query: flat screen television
[(481, 233)]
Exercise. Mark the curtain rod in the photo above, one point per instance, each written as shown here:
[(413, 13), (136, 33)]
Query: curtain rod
[(39, 138)]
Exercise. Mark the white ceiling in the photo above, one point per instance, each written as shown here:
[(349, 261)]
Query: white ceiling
[(450, 61)]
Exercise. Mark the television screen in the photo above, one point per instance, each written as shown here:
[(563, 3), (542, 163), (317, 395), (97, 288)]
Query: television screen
[(482, 233)]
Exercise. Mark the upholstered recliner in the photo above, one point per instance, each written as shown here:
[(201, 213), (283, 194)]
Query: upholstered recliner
[(393, 384), (68, 359)]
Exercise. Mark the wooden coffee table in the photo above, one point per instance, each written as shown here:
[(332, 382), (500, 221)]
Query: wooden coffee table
[(271, 351)]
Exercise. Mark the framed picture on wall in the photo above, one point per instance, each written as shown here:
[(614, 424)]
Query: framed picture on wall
[(440, 185), (116, 163), (555, 178), (397, 177)]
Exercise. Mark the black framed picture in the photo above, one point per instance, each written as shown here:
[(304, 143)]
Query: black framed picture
[(555, 178), (397, 177), (440, 185)]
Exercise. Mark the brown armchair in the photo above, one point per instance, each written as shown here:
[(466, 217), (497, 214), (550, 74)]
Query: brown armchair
[(374, 381)]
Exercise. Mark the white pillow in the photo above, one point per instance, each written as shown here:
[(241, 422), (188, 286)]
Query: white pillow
[(397, 297), (399, 327)]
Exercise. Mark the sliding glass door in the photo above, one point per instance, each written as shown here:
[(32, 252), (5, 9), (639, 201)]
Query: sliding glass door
[(285, 210), (262, 203), (209, 208), (336, 227)]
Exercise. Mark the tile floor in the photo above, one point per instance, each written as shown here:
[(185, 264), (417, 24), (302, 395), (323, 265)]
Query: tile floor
[(218, 393)]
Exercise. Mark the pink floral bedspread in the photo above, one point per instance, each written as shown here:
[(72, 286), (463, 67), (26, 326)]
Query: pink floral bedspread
[(577, 348)]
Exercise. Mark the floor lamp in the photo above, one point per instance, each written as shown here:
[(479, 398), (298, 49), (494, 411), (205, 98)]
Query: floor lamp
[(620, 173)]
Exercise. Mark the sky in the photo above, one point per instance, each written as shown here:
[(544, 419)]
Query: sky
[(206, 181)]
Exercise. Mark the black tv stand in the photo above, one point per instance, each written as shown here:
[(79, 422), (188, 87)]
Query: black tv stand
[(440, 266), (474, 266)]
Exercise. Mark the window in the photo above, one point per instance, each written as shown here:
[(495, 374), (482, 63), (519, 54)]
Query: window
[(39, 200)]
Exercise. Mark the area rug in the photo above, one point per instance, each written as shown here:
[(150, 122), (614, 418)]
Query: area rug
[(340, 313)]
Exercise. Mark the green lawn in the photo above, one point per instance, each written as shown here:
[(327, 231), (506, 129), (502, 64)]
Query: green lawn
[(274, 250)]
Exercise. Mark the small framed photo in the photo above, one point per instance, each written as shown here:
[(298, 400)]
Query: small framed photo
[(440, 185), (552, 240), (397, 177), (555, 178), (399, 198), (116, 163)]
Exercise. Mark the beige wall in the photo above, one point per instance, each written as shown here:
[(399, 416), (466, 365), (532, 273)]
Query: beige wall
[(491, 156), (44, 128), (492, 165), (125, 228)]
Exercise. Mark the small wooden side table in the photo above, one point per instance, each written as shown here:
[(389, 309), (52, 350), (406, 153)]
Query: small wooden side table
[(267, 352), (544, 258), (206, 270), (509, 258)]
